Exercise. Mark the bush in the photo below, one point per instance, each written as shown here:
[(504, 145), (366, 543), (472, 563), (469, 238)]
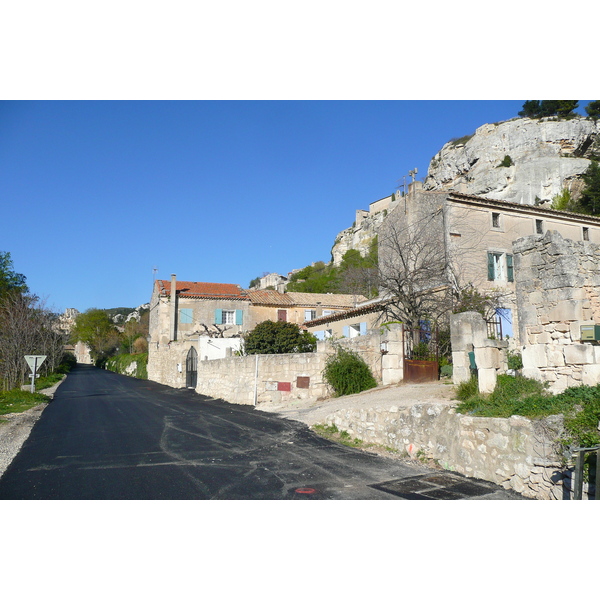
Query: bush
[(347, 373), (278, 337), (121, 363)]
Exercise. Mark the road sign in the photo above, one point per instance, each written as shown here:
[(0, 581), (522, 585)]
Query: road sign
[(35, 360)]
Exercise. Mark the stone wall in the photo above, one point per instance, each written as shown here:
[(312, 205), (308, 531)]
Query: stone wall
[(515, 453), (558, 291), (236, 379)]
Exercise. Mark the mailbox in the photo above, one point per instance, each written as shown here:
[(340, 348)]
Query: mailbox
[(590, 333)]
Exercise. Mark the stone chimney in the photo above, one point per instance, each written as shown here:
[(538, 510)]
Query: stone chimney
[(173, 308)]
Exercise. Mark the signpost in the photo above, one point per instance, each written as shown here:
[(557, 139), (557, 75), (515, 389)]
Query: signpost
[(34, 361)]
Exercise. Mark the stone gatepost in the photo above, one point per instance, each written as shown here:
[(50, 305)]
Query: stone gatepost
[(469, 336)]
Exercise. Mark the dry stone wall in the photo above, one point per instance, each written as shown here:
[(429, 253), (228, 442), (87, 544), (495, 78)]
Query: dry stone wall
[(515, 453), (558, 291)]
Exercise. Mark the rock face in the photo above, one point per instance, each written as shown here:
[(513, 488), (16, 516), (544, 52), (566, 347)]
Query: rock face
[(544, 156)]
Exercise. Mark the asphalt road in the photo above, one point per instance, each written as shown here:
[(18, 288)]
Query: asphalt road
[(107, 436)]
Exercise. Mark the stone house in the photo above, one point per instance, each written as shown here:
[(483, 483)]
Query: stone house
[(474, 235), (348, 323), (297, 307)]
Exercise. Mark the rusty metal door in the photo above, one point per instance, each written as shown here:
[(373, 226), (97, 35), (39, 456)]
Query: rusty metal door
[(421, 354)]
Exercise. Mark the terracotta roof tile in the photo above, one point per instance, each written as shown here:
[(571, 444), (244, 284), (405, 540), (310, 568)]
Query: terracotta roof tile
[(332, 300), (199, 289), (270, 297)]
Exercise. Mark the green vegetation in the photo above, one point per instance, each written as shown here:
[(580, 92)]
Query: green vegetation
[(536, 109), (347, 373), (593, 109), (514, 360), (461, 140), (9, 280), (590, 197), (278, 337), (16, 401), (121, 363), (529, 398), (356, 274), (507, 161)]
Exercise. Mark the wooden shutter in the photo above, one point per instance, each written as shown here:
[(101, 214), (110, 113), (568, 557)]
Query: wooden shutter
[(218, 316), (239, 317), (509, 267), (363, 328), (346, 331), (490, 266)]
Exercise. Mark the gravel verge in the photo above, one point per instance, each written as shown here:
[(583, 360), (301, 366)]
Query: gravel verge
[(16, 427)]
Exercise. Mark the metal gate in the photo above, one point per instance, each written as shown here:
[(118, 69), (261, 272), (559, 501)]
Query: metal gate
[(421, 353), (191, 368)]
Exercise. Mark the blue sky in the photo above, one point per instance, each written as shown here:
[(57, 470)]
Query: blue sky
[(99, 193)]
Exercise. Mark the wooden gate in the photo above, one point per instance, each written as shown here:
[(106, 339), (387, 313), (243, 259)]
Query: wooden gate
[(191, 368), (421, 354)]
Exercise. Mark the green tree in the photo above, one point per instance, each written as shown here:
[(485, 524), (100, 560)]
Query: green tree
[(9, 280), (593, 109), (95, 328), (590, 197), (278, 337), (535, 109), (316, 279), (531, 109)]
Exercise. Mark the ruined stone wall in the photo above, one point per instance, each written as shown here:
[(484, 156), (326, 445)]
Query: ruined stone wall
[(558, 291)]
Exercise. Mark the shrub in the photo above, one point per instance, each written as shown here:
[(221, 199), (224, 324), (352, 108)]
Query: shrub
[(515, 361), (507, 161), (347, 373), (278, 337)]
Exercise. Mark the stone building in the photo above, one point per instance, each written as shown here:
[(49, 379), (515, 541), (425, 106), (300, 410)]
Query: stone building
[(474, 237)]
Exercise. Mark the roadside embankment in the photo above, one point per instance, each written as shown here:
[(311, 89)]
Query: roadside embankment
[(16, 427)]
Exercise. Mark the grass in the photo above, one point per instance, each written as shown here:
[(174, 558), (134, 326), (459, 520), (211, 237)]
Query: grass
[(16, 401), (529, 398), (331, 432)]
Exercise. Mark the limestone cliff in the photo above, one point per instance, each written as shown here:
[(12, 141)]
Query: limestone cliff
[(517, 160)]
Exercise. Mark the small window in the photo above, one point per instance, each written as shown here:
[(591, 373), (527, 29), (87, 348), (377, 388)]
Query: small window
[(309, 315), (496, 220), (586, 234), (539, 226)]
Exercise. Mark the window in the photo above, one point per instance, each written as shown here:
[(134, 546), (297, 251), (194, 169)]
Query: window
[(309, 315), (496, 220), (229, 317), (586, 234), (539, 226), (355, 330), (185, 315), (282, 315), (500, 267)]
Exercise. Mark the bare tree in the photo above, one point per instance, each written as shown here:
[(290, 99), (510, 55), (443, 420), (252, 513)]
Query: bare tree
[(26, 327)]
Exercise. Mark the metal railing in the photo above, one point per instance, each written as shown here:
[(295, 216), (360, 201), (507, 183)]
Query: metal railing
[(578, 474)]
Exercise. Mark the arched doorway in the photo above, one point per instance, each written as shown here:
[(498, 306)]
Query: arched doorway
[(191, 368)]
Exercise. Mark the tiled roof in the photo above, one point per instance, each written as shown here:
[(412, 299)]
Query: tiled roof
[(331, 300), (270, 298), (199, 289), (346, 314), (469, 198)]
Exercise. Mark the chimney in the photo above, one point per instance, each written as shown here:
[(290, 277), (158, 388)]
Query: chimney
[(173, 308)]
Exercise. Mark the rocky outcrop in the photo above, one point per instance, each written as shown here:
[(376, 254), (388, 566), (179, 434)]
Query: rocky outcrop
[(522, 160)]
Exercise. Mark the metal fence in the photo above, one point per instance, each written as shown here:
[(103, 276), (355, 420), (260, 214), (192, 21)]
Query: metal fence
[(581, 454)]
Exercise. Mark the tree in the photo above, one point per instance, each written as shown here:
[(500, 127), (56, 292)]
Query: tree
[(590, 196), (414, 271), (318, 278), (535, 109), (27, 327), (593, 109), (9, 280), (278, 337), (95, 328)]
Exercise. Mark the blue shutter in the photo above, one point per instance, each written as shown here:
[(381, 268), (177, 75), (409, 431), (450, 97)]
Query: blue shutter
[(239, 317), (185, 315), (363, 328), (218, 316), (320, 335), (346, 331)]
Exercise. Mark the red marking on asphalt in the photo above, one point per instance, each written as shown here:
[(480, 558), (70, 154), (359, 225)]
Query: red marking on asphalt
[(305, 490)]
